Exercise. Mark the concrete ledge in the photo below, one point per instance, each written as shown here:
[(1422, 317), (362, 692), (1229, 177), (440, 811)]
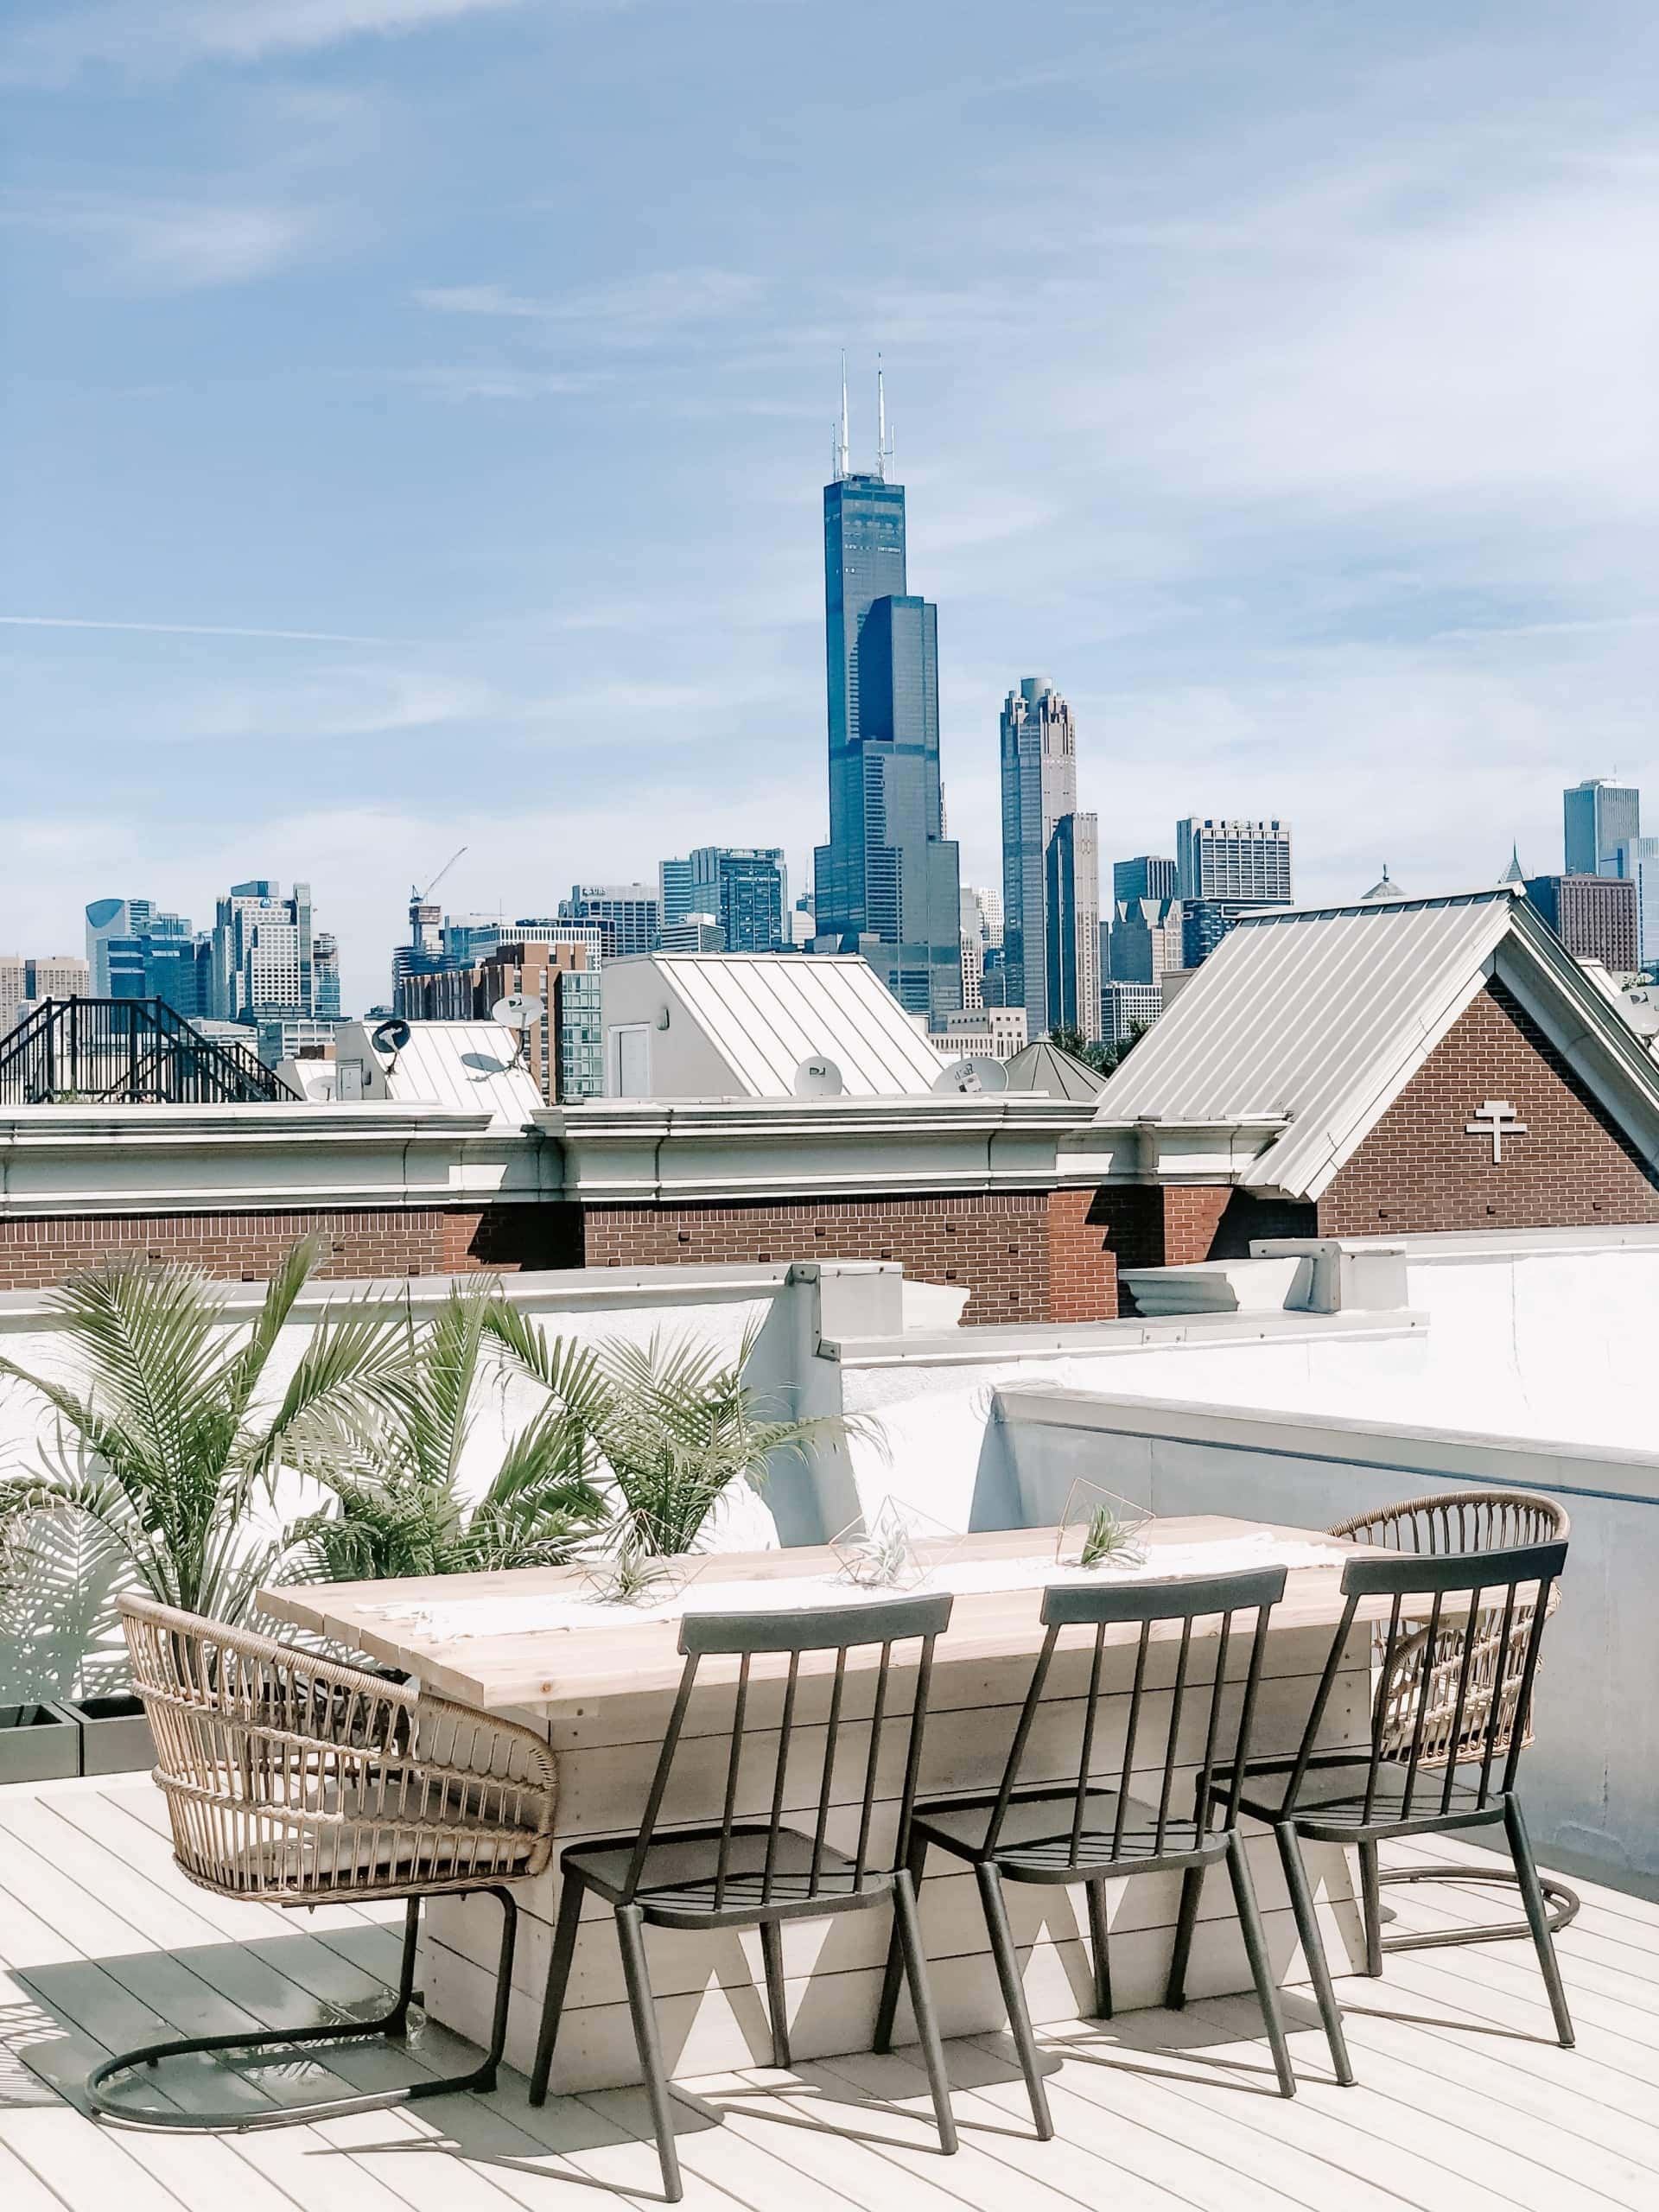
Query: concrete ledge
[(979, 1347), (1468, 1455)]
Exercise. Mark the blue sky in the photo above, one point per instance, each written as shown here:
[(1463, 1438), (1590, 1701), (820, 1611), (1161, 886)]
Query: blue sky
[(414, 413)]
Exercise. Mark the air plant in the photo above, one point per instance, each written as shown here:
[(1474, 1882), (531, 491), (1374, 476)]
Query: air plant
[(630, 1573), (882, 1559), (1107, 1542)]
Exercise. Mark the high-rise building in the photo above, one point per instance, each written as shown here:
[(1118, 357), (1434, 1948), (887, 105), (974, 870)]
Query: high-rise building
[(1594, 916), (886, 885), (325, 975), (984, 902), (746, 888), (25, 982), (262, 952), (1147, 876), (1127, 1009), (972, 971), (693, 933), (1146, 939), (1598, 816), (674, 880), (1051, 870), (135, 951), (1638, 864), (629, 915), (1248, 861)]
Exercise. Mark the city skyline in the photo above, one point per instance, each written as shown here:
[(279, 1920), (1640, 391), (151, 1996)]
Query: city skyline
[(1315, 491)]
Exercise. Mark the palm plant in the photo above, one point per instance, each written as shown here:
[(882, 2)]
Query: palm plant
[(163, 1440), (672, 1423), (398, 1506)]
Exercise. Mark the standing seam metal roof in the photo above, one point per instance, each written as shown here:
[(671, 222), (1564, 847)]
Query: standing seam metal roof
[(765, 1012), (1322, 1013)]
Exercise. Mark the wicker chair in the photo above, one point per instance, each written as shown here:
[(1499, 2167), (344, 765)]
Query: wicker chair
[(1421, 1696), (294, 1780)]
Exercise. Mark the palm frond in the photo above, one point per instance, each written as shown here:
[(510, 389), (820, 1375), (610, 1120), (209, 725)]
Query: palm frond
[(247, 1364)]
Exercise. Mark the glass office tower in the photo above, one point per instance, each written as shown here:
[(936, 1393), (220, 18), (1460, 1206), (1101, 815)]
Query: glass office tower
[(888, 884)]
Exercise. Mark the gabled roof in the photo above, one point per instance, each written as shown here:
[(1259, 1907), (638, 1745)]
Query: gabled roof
[(1323, 1014), (765, 1012), (1044, 1067)]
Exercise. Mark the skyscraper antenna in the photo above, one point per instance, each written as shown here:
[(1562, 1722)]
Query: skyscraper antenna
[(843, 464), (883, 442)]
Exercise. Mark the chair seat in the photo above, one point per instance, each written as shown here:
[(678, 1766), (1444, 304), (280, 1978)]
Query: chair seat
[(680, 1876), (1333, 1793), (1034, 1842)]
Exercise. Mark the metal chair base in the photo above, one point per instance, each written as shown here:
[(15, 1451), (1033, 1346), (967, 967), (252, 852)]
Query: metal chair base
[(1561, 1899), (391, 2025)]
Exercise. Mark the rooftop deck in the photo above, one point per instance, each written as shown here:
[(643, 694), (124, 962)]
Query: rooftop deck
[(1465, 2102)]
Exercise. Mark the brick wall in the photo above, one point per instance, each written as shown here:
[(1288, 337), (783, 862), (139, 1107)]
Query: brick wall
[(1174, 1224), (1001, 1244), (413, 1240), (1418, 1170)]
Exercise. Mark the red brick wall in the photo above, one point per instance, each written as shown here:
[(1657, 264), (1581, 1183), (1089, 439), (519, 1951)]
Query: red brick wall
[(1172, 1224), (1000, 1244), (1083, 1273), (413, 1240), (1419, 1171)]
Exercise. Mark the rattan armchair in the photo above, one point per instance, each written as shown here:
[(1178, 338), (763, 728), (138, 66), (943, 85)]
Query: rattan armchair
[(1431, 1709), (294, 1780)]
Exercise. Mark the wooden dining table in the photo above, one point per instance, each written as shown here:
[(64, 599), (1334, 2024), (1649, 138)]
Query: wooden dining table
[(597, 1681)]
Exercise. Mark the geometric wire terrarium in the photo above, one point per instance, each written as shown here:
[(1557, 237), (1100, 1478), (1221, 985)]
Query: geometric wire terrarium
[(894, 1547), (629, 1573), (1101, 1530)]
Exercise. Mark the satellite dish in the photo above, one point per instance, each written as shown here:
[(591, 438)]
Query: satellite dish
[(389, 1037), (818, 1078), (519, 1010), (971, 1075)]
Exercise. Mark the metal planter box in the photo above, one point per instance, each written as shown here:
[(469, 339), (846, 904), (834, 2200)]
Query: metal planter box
[(115, 1736), (38, 1743)]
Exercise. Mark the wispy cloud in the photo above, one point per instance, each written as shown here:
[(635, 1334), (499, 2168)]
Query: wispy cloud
[(151, 35), (635, 312), (191, 630), (170, 245)]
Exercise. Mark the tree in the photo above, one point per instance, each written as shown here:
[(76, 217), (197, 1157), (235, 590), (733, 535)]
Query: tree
[(398, 1507), (163, 1439)]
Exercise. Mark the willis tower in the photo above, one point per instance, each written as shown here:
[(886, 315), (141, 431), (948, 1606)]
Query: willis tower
[(888, 884)]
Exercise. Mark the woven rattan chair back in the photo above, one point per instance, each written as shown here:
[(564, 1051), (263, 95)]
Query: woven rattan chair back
[(834, 1632), (1421, 1682), (1153, 1752), (290, 1777), (1490, 1731)]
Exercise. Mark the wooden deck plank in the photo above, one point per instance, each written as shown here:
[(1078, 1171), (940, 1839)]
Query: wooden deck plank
[(1465, 2103), (1529, 2162)]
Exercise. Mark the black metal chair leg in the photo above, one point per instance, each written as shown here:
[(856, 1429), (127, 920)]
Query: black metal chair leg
[(391, 2024), (1307, 1927), (1255, 1947), (1014, 1995), (1370, 1898), (1185, 1921), (771, 1950), (892, 1977), (1100, 1949), (1532, 1897), (558, 1976), (397, 2019), (908, 1921), (630, 1929)]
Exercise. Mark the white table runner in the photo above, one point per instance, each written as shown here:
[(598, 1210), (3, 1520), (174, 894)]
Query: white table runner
[(456, 1619)]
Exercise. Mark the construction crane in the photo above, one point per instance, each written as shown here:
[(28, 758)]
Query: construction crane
[(421, 897)]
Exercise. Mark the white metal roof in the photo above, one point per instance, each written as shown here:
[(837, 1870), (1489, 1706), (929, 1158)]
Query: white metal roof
[(1324, 1013), (765, 1012), (469, 1065)]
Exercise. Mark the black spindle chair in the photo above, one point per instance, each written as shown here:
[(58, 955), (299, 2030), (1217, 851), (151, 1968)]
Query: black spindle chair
[(1083, 1831), (758, 1873), (1389, 1788)]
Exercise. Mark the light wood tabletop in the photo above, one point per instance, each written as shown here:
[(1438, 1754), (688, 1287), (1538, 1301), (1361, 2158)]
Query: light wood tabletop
[(570, 1668)]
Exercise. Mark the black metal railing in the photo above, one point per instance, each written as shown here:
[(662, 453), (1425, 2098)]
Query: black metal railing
[(127, 1053)]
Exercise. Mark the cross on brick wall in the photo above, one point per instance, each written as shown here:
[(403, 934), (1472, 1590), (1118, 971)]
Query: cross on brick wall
[(1496, 1119)]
